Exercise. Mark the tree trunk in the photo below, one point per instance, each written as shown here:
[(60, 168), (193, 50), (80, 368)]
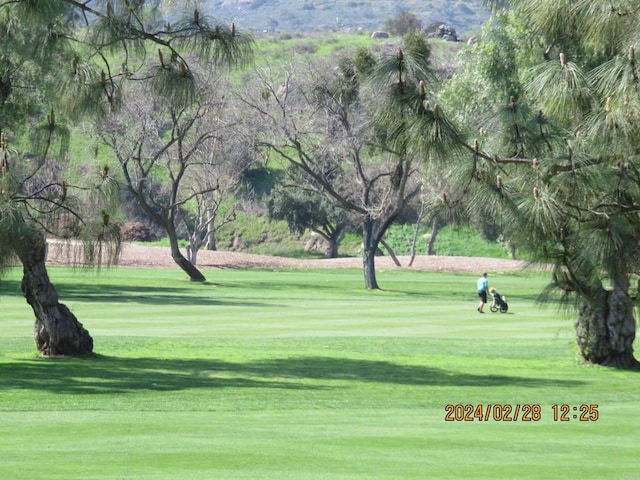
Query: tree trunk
[(416, 230), (606, 328), (332, 247), (370, 247), (56, 330), (189, 268), (432, 238), (192, 252), (391, 253), (211, 231), (333, 237)]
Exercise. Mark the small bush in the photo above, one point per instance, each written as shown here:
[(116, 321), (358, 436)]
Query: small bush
[(138, 232)]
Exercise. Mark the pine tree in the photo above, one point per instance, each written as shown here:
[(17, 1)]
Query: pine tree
[(556, 157), (61, 62)]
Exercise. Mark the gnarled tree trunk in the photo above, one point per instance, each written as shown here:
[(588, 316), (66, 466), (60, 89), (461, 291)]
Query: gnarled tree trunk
[(606, 328), (57, 331)]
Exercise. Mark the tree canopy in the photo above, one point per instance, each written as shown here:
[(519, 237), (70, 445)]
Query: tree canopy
[(553, 122)]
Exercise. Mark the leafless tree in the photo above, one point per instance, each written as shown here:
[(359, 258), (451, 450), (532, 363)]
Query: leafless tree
[(166, 158), (213, 188), (347, 141)]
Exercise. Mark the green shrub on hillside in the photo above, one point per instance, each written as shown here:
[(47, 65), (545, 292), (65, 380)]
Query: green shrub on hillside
[(450, 241)]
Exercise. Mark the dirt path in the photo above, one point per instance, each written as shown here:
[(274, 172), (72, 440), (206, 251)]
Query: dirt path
[(134, 255)]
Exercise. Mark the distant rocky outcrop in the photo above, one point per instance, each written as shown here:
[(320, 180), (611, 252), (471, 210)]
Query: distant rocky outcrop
[(379, 34), (445, 32)]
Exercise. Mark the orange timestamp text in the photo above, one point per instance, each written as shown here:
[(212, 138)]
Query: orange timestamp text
[(525, 412)]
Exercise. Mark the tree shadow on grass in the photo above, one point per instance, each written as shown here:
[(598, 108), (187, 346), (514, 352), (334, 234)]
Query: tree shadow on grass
[(111, 375), (154, 295), (149, 296)]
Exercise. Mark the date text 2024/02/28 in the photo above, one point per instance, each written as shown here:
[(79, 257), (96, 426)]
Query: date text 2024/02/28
[(526, 412)]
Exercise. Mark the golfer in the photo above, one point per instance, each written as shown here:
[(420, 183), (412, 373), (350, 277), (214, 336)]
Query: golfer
[(483, 286)]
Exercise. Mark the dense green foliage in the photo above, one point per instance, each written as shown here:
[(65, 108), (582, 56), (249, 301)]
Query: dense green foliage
[(552, 115)]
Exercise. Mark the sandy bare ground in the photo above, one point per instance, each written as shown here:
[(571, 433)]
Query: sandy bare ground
[(135, 255)]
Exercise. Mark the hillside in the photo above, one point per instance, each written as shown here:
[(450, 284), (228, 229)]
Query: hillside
[(307, 15)]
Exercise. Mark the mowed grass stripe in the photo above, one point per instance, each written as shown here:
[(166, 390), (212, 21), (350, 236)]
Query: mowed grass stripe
[(319, 444), (298, 303)]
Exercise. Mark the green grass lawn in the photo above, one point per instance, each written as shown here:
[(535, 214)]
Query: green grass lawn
[(305, 375)]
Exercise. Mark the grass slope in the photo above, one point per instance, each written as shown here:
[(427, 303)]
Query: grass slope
[(304, 375)]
